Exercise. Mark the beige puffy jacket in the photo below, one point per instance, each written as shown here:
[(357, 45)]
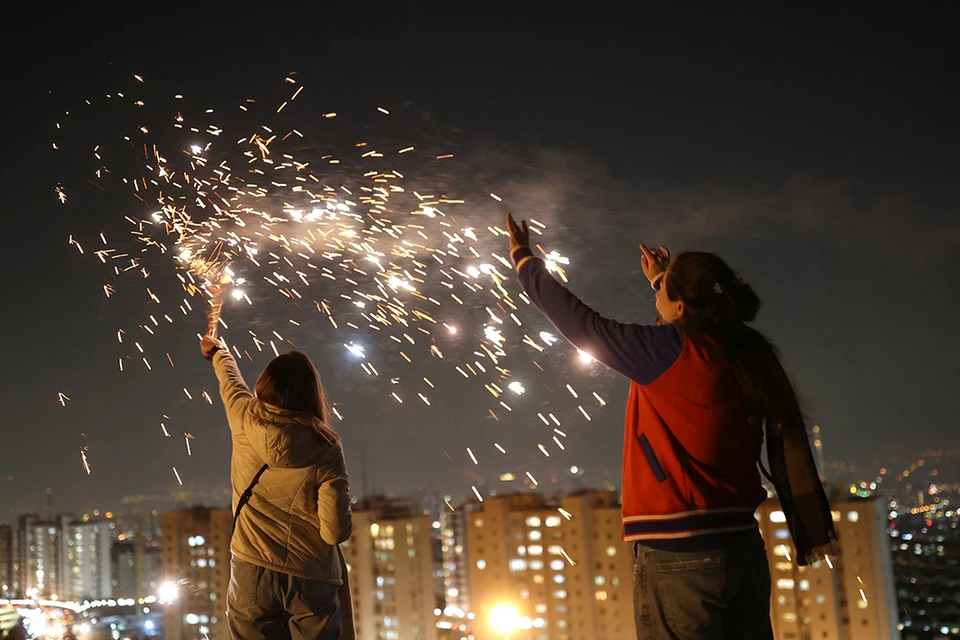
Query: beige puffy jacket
[(300, 508)]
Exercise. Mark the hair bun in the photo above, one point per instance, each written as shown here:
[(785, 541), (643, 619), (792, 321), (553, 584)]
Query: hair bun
[(746, 302)]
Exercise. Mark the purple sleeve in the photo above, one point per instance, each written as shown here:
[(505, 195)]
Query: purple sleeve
[(639, 352)]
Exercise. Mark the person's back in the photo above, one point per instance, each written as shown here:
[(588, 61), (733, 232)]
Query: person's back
[(690, 448), (292, 503), (292, 522)]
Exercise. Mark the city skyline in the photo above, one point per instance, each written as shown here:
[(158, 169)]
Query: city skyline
[(540, 567)]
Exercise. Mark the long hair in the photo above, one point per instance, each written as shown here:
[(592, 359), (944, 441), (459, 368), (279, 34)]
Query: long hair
[(718, 304), (291, 382)]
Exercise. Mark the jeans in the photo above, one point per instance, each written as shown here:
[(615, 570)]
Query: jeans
[(722, 594), (268, 605)]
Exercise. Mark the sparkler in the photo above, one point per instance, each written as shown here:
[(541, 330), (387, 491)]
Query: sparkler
[(398, 271)]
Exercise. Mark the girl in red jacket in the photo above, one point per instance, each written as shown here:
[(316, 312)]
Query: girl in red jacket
[(704, 389)]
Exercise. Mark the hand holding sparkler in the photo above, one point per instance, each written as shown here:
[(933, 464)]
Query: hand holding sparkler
[(519, 233), (654, 261), (213, 313), (209, 345)]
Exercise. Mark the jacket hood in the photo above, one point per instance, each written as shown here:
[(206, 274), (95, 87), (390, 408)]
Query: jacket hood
[(286, 439)]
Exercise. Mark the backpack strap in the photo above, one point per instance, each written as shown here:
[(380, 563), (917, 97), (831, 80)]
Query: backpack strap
[(245, 496)]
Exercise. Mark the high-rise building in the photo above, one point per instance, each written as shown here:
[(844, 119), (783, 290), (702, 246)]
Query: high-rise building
[(64, 557), (86, 561), (128, 568), (38, 553), (196, 557), (390, 558), (851, 596), (551, 571), (7, 576), (456, 556)]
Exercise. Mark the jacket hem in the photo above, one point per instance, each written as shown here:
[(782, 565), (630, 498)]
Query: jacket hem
[(687, 524), (260, 562), (678, 535)]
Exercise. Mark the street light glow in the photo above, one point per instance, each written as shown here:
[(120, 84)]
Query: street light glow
[(167, 592), (504, 618)]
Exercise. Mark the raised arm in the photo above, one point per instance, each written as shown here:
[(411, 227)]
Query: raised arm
[(639, 352), (233, 390), (333, 504)]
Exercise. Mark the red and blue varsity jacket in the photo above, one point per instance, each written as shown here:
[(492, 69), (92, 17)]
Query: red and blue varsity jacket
[(689, 455)]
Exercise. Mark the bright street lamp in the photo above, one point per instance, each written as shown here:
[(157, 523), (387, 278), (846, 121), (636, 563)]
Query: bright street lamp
[(167, 592), (504, 619)]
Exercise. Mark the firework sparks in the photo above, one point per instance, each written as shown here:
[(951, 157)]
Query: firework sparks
[(397, 269)]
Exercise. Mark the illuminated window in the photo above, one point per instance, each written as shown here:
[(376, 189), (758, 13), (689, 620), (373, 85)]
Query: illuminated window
[(555, 550), (777, 516), (785, 583), (374, 530), (521, 551), (611, 551), (559, 578), (533, 521), (804, 585), (781, 534), (783, 566), (541, 608), (481, 564), (599, 580), (601, 595), (560, 594), (538, 578), (518, 565), (535, 535), (553, 521), (536, 565), (861, 604), (853, 516), (535, 550), (478, 522), (557, 565), (835, 515), (790, 617)]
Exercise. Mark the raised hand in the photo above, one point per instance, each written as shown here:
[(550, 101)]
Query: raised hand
[(209, 345), (519, 233), (654, 261)]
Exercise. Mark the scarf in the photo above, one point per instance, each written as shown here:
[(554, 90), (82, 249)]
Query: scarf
[(793, 473)]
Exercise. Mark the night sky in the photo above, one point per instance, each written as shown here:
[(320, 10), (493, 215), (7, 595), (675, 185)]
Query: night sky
[(816, 152)]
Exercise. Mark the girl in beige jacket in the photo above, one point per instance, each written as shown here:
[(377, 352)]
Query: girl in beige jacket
[(287, 575)]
